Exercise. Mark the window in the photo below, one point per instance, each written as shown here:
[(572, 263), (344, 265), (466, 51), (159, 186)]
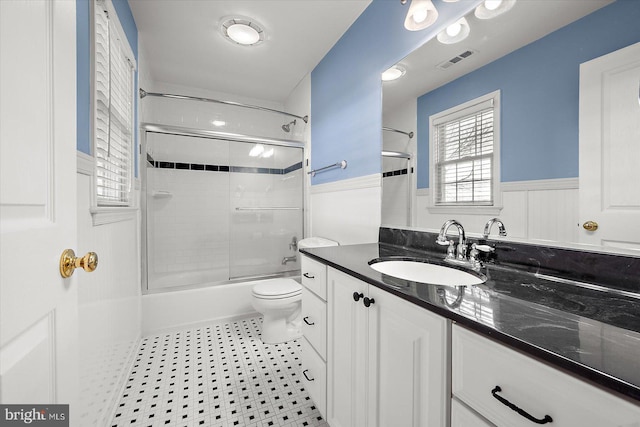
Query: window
[(113, 124), (463, 150)]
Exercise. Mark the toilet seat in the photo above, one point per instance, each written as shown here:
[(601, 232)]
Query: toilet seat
[(277, 289)]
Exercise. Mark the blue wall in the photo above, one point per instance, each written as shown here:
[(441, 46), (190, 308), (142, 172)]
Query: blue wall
[(83, 69), (346, 91), (539, 86)]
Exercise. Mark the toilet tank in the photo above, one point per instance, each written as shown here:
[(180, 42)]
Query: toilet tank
[(316, 242)]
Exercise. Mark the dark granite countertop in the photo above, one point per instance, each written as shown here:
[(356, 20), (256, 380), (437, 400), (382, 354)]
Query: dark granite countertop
[(589, 332)]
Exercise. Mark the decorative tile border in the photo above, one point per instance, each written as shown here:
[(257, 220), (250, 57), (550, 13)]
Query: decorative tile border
[(404, 171)]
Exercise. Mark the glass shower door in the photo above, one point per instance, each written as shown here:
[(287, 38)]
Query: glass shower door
[(266, 209)]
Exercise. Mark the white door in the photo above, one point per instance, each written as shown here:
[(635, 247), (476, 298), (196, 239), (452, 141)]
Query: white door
[(610, 149), (407, 377), (38, 308)]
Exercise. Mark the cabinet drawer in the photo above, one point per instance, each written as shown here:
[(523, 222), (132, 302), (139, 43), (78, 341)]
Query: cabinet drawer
[(314, 377), (481, 366), (461, 416), (314, 321), (314, 276)]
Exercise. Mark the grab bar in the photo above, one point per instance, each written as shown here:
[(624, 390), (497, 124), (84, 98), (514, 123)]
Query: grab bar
[(342, 165), (275, 208), (409, 134), (144, 93)]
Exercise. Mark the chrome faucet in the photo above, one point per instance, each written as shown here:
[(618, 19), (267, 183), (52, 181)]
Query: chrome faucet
[(487, 228), (288, 259), (452, 254), (294, 244)]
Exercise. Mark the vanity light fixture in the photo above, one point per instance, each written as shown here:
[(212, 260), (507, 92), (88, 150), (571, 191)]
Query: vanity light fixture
[(421, 14), (243, 31), (393, 73), (489, 9), (455, 32)]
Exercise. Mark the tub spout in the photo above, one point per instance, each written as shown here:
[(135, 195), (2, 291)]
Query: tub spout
[(288, 259)]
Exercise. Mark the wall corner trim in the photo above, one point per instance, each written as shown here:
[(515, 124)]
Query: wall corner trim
[(368, 181), (85, 164)]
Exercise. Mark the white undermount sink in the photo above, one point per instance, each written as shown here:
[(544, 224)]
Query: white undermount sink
[(423, 272)]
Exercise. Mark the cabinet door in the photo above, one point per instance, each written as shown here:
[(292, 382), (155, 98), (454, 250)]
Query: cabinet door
[(408, 374), (346, 351), (461, 416)]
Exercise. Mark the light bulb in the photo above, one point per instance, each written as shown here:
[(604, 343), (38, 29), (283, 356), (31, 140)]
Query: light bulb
[(420, 15), (492, 4), (454, 29)]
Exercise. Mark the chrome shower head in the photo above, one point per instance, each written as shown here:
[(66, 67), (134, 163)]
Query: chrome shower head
[(287, 127)]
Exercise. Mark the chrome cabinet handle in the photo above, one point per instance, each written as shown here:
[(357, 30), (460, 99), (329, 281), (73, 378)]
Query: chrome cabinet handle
[(505, 402), (307, 322)]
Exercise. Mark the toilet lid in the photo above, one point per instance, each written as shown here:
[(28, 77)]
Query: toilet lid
[(277, 288)]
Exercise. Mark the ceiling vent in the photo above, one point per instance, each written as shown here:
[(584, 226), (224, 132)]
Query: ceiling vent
[(464, 55)]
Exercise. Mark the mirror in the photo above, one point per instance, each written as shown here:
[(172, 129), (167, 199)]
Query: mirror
[(539, 196)]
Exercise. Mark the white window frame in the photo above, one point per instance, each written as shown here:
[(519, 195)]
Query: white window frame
[(105, 212), (456, 112)]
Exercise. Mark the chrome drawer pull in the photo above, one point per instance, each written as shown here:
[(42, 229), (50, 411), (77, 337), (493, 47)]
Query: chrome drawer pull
[(505, 402), (305, 375), (308, 276), (307, 322)]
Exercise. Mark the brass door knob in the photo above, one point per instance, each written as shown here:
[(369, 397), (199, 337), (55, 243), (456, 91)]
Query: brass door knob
[(69, 262), (590, 226)]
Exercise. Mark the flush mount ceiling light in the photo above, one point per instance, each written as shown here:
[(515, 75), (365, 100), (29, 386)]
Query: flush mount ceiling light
[(243, 31), (421, 14), (393, 73), (455, 32), (492, 8)]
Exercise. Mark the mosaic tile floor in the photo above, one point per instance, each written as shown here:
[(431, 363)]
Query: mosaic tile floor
[(220, 375)]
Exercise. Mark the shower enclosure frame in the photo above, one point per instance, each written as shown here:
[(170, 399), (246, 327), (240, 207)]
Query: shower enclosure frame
[(146, 128)]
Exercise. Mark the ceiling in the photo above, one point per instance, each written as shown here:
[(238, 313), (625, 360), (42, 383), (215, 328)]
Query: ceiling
[(181, 43), (528, 21)]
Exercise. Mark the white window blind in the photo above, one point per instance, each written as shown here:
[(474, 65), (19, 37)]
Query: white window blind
[(113, 118), (464, 148)]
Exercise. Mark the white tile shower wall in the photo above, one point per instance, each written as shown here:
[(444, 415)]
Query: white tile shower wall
[(201, 115), (188, 227), (347, 211), (395, 197), (534, 210), (109, 310), (299, 102)]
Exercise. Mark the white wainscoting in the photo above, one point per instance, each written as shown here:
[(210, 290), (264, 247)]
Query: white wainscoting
[(108, 303), (347, 211), (541, 210)]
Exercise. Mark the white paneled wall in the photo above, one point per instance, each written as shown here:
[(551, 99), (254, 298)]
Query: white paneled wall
[(544, 210), (108, 305), (347, 211)]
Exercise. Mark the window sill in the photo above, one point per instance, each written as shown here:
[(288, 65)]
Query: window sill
[(107, 215), (465, 210)]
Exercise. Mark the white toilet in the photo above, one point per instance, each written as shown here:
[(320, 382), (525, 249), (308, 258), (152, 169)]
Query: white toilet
[(280, 302)]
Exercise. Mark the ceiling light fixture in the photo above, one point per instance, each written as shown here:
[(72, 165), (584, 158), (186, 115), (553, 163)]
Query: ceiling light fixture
[(455, 32), (393, 73), (218, 123), (243, 31), (421, 14), (491, 8)]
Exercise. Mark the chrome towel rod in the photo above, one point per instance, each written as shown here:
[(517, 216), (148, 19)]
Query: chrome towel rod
[(341, 164), (277, 208), (144, 93), (409, 134)]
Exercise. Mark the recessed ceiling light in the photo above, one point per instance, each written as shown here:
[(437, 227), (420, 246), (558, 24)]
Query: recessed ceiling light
[(393, 73), (242, 30)]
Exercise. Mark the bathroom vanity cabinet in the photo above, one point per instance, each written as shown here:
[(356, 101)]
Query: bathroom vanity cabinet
[(483, 370), (386, 358)]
